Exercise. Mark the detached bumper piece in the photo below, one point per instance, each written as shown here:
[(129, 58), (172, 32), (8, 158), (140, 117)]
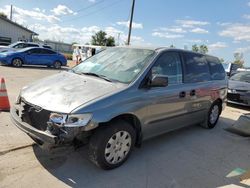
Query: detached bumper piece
[(41, 137), (241, 126)]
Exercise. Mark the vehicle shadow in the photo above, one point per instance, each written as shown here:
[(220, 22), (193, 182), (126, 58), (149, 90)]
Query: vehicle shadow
[(188, 157), (27, 67)]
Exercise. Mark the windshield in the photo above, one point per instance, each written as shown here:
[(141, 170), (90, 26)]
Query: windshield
[(241, 76), (12, 45), (119, 64)]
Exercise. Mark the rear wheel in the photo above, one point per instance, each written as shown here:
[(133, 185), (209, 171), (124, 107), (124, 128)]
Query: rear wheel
[(213, 115), (57, 65), (110, 146), (16, 62)]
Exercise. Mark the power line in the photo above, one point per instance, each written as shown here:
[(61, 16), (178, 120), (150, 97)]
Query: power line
[(96, 11), (90, 6), (85, 8)]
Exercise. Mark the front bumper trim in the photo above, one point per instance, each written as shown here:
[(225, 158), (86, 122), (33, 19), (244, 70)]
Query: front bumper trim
[(31, 131)]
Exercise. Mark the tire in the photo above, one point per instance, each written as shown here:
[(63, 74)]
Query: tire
[(57, 65), (17, 62), (213, 115), (106, 151)]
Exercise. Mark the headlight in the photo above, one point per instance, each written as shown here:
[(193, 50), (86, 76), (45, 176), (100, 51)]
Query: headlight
[(78, 120), (72, 120)]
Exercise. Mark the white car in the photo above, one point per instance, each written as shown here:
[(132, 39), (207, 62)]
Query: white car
[(20, 45)]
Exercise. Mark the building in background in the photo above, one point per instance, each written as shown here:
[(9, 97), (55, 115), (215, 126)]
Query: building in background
[(11, 32), (59, 46)]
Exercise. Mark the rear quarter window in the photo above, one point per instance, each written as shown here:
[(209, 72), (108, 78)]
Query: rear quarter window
[(196, 68), (216, 68)]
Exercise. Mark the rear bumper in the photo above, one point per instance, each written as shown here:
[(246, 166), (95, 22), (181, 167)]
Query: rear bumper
[(41, 137)]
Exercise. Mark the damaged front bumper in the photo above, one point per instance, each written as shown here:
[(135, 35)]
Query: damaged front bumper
[(48, 137), (39, 136)]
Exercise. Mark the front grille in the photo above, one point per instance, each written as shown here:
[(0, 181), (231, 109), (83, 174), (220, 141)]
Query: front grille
[(234, 97), (35, 116)]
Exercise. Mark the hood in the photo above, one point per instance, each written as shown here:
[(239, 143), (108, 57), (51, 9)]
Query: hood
[(66, 91), (238, 85)]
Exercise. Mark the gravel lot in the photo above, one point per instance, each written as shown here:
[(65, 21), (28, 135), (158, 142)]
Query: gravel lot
[(190, 157)]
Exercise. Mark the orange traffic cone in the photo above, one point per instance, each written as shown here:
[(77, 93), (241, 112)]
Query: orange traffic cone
[(4, 100)]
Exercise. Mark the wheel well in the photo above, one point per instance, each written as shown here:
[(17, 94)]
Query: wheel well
[(133, 121), (220, 102), (16, 58), (58, 61)]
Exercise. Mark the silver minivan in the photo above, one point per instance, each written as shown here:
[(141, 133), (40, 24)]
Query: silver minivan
[(120, 97)]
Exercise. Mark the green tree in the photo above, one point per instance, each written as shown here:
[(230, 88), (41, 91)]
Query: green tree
[(201, 49), (239, 59), (3, 15), (195, 48), (100, 39), (239, 62), (110, 41)]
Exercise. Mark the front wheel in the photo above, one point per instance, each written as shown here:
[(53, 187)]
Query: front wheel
[(17, 62), (57, 65), (110, 146)]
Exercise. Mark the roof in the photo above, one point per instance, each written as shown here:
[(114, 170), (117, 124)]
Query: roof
[(16, 24), (160, 49)]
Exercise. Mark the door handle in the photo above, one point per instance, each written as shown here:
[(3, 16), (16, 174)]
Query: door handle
[(182, 94), (192, 93)]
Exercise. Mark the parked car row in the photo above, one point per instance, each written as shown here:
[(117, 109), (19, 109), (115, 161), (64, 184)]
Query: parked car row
[(21, 53)]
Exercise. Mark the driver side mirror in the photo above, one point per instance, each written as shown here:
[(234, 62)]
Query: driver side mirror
[(29, 52), (158, 81)]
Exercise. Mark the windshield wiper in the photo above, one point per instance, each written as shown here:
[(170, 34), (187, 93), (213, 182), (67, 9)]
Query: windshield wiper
[(97, 75)]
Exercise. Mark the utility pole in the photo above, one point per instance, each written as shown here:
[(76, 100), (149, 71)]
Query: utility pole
[(131, 21), (11, 7), (118, 39)]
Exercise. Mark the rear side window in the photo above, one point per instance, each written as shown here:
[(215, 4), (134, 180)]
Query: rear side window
[(196, 68), (216, 69), (35, 51)]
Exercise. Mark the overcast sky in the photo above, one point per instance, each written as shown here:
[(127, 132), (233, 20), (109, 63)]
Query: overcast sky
[(223, 25)]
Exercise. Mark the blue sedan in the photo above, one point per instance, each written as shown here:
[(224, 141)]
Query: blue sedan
[(33, 56)]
